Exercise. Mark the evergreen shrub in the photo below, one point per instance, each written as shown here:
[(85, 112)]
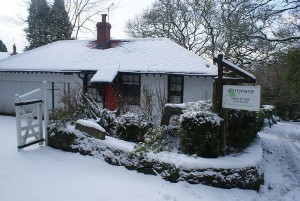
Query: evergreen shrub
[(154, 140), (132, 127), (243, 126), (199, 132)]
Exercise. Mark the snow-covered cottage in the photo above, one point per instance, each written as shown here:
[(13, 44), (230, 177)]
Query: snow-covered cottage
[(4, 55), (105, 68)]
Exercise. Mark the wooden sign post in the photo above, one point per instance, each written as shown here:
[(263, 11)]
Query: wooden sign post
[(246, 77)]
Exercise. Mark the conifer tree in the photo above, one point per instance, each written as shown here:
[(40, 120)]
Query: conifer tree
[(60, 23), (2, 47), (38, 30)]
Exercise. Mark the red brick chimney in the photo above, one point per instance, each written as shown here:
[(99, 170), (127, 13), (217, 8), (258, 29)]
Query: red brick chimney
[(103, 33)]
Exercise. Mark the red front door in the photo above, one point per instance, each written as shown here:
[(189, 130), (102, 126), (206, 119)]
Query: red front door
[(110, 98)]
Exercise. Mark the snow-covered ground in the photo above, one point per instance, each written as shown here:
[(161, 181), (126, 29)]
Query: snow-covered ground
[(42, 173)]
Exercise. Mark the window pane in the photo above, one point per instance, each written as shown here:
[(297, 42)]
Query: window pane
[(131, 88), (175, 99), (178, 81), (130, 78), (136, 78), (178, 87), (125, 78), (173, 87)]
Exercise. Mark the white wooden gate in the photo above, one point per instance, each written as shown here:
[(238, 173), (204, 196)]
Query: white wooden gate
[(31, 128)]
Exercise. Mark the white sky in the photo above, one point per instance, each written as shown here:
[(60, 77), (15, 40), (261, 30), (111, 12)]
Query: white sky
[(11, 32)]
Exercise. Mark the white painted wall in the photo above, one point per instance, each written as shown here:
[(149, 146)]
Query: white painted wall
[(20, 83), (157, 85), (197, 88)]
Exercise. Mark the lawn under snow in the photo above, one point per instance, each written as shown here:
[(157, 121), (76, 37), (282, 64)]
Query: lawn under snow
[(42, 173)]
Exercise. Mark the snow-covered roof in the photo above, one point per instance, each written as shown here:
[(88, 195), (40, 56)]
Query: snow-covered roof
[(155, 55), (4, 55)]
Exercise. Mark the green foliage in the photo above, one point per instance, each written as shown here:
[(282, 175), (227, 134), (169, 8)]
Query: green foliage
[(38, 30), (73, 107), (199, 132), (154, 140), (2, 47), (243, 126), (132, 127), (293, 69), (267, 115), (46, 24), (60, 23), (280, 83)]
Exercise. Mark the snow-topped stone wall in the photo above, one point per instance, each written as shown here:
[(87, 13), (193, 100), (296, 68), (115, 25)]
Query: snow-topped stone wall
[(238, 171)]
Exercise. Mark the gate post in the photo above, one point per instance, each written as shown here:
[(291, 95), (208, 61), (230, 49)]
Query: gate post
[(46, 115), (18, 121)]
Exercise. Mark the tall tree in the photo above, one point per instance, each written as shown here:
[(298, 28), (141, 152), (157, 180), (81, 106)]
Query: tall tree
[(84, 14), (60, 23), (2, 47), (280, 82), (293, 69), (38, 30), (246, 31)]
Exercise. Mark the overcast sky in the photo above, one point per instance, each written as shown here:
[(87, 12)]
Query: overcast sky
[(12, 32)]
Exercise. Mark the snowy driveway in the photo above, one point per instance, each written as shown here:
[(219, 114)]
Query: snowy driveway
[(42, 173), (281, 145)]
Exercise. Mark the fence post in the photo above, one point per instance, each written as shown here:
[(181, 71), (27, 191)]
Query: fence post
[(40, 120), (46, 117), (18, 121), (218, 103)]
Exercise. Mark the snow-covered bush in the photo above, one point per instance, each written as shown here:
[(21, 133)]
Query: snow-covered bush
[(244, 126), (104, 117), (72, 107), (199, 132), (132, 127), (154, 140), (267, 114)]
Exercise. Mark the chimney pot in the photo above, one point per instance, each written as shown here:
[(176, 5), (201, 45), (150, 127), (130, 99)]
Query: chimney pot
[(104, 17)]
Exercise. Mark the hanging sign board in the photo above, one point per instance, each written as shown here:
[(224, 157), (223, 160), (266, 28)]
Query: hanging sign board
[(241, 97)]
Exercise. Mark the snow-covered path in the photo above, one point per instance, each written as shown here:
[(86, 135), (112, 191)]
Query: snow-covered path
[(281, 145), (42, 173)]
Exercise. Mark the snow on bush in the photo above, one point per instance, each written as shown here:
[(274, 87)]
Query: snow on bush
[(199, 132), (132, 127)]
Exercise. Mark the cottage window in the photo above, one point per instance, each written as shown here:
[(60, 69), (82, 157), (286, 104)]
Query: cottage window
[(175, 86), (130, 88), (93, 90)]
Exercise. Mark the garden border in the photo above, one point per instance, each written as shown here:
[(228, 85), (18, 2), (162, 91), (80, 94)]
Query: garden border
[(72, 140)]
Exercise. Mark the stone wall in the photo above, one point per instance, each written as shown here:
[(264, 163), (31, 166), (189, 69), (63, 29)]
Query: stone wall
[(244, 178)]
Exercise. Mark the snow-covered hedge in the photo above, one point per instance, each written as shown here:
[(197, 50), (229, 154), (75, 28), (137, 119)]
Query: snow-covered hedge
[(244, 126), (199, 132), (200, 128), (239, 171), (132, 127)]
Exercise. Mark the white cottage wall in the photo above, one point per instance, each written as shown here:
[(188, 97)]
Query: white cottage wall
[(157, 87), (20, 83), (197, 88)]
